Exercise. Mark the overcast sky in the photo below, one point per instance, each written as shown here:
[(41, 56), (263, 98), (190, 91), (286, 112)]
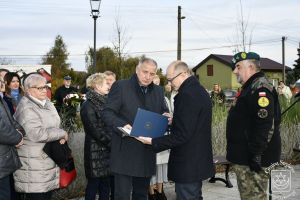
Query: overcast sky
[(28, 28)]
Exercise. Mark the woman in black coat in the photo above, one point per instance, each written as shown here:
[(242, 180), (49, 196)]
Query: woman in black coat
[(97, 139)]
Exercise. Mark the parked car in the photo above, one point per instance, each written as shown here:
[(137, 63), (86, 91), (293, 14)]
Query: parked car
[(230, 96)]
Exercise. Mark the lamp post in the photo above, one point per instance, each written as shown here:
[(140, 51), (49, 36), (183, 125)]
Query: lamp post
[(95, 11)]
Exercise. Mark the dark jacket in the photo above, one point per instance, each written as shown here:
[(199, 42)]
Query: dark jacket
[(97, 138), (9, 137), (253, 123), (11, 103), (191, 158), (61, 93), (129, 156)]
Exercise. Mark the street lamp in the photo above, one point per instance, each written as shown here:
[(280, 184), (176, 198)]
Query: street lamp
[(95, 11)]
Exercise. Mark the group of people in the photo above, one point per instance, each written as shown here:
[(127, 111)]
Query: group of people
[(27, 123), (124, 168)]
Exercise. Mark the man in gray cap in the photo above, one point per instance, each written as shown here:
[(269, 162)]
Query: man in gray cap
[(63, 91), (253, 137)]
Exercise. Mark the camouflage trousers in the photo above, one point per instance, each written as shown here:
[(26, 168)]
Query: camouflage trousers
[(251, 185)]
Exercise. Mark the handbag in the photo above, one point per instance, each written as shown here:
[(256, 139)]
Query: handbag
[(67, 174), (61, 154)]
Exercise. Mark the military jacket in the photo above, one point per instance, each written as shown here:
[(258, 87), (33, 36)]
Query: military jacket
[(253, 123)]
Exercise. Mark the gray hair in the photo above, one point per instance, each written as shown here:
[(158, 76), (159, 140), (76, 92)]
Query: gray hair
[(32, 80), (148, 61), (110, 73), (180, 66), (95, 79), (255, 63)]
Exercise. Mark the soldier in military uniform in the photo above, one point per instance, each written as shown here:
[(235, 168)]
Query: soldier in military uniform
[(253, 137)]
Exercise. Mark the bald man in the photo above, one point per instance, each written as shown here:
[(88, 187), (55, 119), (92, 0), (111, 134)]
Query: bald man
[(191, 159)]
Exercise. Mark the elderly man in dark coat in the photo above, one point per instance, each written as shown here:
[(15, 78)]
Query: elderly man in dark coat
[(132, 162), (191, 159)]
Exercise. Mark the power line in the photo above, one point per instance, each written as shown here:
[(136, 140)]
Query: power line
[(157, 51)]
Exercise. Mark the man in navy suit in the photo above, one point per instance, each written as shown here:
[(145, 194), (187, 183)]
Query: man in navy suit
[(132, 162)]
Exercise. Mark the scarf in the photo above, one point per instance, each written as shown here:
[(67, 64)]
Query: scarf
[(97, 99)]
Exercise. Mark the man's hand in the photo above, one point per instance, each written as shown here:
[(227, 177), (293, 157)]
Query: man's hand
[(20, 143), (170, 117), (145, 140), (127, 126), (255, 163)]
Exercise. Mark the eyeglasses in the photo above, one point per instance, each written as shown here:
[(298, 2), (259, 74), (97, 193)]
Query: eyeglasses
[(41, 88), (172, 79)]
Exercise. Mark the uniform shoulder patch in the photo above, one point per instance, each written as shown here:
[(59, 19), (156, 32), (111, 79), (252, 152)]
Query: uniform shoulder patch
[(263, 101), (262, 113)]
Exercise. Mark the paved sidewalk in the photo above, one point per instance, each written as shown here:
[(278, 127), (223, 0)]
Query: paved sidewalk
[(218, 191)]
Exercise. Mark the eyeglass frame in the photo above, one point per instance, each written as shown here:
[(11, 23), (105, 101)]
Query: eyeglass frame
[(172, 79), (40, 89)]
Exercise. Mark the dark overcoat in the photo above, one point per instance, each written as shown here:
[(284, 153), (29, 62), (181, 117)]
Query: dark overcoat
[(128, 155), (191, 158)]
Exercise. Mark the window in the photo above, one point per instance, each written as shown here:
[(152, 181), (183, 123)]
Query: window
[(210, 70)]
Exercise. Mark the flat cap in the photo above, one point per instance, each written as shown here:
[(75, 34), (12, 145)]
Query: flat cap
[(67, 77)]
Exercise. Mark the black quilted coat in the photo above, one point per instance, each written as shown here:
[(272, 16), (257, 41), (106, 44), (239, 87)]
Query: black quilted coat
[(97, 138)]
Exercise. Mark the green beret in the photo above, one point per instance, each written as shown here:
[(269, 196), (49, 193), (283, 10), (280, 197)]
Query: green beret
[(243, 56)]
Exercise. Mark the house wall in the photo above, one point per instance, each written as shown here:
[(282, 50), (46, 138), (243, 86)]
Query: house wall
[(274, 77), (222, 75)]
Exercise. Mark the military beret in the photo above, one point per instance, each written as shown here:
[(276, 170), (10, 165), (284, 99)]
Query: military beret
[(67, 77), (243, 56)]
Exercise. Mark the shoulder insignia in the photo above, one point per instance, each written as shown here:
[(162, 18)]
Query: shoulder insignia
[(263, 102), (262, 113), (261, 82)]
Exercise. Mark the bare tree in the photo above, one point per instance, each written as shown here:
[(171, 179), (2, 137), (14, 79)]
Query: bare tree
[(120, 41), (243, 36)]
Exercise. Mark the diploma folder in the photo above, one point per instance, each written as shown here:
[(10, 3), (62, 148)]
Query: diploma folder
[(147, 124)]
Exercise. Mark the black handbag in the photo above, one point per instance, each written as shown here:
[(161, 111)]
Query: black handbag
[(59, 153)]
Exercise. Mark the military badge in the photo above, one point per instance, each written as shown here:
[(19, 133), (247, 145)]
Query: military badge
[(243, 55), (262, 113), (263, 102), (262, 94)]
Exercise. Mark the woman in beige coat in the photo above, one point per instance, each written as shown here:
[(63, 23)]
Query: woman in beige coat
[(39, 175)]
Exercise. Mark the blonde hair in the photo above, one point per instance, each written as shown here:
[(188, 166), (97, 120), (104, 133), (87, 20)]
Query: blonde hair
[(95, 79)]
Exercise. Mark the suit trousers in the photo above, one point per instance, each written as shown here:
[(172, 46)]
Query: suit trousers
[(101, 185), (126, 186), (4, 188), (189, 191)]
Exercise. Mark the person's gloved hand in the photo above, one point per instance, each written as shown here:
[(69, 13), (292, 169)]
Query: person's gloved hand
[(255, 163)]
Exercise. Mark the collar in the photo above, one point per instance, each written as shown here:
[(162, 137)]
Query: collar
[(134, 80), (252, 78), (186, 83), (37, 101)]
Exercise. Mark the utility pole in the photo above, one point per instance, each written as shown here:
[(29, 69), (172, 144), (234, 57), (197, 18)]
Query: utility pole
[(283, 57), (179, 18)]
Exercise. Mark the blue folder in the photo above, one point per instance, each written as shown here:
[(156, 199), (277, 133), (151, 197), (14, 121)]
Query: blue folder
[(149, 124)]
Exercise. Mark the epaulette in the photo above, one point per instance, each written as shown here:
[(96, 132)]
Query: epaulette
[(261, 82)]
